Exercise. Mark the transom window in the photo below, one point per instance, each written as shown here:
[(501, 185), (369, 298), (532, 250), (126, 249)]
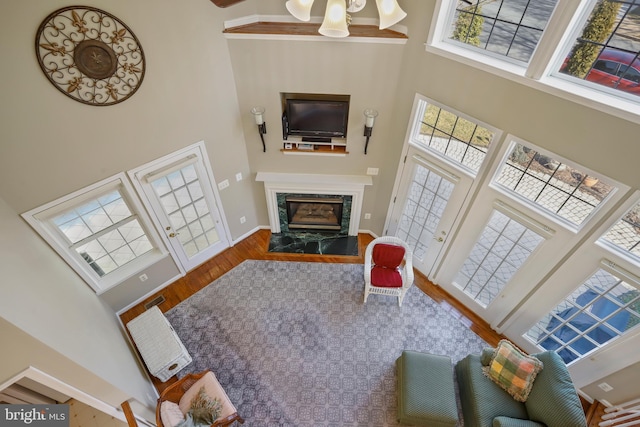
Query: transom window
[(604, 307), (625, 233), (451, 136), (506, 28), (567, 192), (587, 48), (606, 50)]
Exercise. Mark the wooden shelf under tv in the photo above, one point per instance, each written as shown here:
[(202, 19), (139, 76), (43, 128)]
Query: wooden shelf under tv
[(319, 149)]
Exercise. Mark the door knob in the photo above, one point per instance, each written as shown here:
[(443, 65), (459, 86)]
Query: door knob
[(173, 234), (438, 239)]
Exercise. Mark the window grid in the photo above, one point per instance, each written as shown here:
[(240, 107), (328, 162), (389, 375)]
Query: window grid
[(603, 308), (502, 248), (427, 198), (183, 201), (507, 29), (625, 233), (566, 192), (614, 53), (104, 232), (452, 137)]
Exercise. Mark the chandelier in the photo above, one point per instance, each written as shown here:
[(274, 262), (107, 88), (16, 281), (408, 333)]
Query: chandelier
[(336, 19)]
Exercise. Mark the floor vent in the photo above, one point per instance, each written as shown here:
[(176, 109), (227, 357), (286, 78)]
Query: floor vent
[(156, 301)]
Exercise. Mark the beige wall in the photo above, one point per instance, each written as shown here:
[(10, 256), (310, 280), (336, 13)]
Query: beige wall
[(53, 321), (598, 141), (264, 68), (200, 86), (53, 363), (53, 145)]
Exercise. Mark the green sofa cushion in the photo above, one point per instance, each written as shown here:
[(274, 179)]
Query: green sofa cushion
[(483, 400), (514, 422), (426, 391), (553, 400)]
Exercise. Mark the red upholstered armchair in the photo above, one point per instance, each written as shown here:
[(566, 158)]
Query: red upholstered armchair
[(388, 268)]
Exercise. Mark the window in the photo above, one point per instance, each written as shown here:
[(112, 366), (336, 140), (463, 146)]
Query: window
[(624, 236), (104, 232), (449, 135), (505, 28), (585, 51), (608, 42), (603, 308), (99, 231), (539, 179), (503, 247)]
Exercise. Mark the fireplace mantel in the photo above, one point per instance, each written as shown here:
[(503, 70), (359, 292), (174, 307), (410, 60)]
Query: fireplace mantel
[(345, 185)]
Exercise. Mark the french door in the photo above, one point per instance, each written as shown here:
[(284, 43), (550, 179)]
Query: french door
[(429, 199), (588, 311), (494, 266), (526, 240), (179, 191)]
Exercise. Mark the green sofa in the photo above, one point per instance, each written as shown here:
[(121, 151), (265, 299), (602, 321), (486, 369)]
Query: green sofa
[(553, 401)]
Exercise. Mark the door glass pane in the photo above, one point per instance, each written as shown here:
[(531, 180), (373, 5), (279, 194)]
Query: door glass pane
[(426, 200), (603, 308), (503, 247), (504, 27), (183, 201)]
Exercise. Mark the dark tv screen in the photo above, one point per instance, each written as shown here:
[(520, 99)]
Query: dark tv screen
[(317, 117)]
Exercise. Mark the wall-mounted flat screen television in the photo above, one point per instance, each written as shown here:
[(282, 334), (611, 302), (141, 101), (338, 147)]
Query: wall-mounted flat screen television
[(315, 119)]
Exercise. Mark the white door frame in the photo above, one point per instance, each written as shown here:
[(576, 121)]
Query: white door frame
[(615, 354), (455, 202), (560, 240), (137, 175)]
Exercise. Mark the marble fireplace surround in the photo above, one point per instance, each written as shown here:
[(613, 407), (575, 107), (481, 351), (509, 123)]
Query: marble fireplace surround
[(314, 184)]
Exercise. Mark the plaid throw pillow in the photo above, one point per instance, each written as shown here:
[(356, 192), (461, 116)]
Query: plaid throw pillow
[(513, 370)]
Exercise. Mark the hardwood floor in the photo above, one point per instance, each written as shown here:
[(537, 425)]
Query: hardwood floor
[(256, 247)]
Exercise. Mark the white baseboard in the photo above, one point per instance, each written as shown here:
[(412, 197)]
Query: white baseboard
[(249, 233), (371, 233)]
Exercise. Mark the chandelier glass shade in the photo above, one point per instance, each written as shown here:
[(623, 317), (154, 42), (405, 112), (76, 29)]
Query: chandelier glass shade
[(390, 13), (300, 9), (336, 20)]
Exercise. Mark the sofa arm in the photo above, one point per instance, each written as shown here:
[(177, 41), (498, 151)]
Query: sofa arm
[(514, 422)]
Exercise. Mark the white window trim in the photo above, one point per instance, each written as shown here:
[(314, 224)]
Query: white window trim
[(563, 27), (510, 142), (421, 103), (615, 251), (39, 219)]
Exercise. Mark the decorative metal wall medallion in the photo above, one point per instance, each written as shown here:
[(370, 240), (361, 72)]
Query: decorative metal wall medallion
[(90, 55)]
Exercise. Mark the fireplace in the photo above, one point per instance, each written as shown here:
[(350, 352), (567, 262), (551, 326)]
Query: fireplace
[(350, 188), (314, 213)]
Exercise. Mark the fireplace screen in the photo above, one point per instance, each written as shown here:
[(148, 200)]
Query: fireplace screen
[(314, 213)]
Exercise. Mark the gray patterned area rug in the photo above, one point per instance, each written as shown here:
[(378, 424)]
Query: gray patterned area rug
[(293, 344)]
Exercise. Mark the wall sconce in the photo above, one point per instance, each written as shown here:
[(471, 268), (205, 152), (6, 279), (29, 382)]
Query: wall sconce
[(369, 118), (262, 126)]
